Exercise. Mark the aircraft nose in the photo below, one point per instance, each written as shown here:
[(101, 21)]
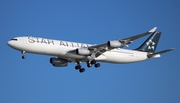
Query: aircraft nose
[(9, 43)]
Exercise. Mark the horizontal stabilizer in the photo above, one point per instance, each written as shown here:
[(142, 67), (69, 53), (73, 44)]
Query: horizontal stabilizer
[(161, 52)]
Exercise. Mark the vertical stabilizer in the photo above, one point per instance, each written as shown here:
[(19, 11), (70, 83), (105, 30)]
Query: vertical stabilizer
[(151, 43)]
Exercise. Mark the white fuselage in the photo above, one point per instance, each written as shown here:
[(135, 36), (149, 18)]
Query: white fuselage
[(61, 49)]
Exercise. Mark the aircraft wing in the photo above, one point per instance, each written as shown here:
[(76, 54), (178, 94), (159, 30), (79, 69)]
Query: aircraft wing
[(97, 50), (101, 48), (128, 40)]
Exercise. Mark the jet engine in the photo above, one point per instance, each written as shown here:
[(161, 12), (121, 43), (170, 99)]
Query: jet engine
[(58, 62), (83, 51), (114, 44)]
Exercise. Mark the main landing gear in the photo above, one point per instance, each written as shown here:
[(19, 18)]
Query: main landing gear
[(96, 65), (89, 64), (23, 54), (78, 67)]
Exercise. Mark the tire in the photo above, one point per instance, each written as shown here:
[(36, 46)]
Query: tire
[(97, 65)]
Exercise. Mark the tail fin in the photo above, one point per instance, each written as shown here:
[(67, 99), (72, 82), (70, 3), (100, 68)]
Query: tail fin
[(151, 43)]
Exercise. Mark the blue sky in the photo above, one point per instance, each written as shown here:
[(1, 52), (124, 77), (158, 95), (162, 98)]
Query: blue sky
[(35, 80)]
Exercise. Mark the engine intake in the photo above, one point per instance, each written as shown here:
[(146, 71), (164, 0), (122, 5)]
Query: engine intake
[(114, 44), (58, 62)]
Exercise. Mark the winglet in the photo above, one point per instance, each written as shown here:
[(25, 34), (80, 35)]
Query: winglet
[(153, 30)]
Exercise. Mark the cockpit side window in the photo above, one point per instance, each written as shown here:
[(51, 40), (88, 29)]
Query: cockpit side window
[(14, 39)]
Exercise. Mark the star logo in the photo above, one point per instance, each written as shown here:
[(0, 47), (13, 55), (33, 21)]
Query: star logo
[(150, 44)]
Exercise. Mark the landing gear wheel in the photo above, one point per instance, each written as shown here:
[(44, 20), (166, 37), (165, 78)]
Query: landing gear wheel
[(23, 53), (82, 70), (89, 65), (78, 67), (93, 62), (97, 65), (23, 57)]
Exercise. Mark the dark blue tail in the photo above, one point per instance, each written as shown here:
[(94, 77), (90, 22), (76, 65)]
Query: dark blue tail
[(151, 43)]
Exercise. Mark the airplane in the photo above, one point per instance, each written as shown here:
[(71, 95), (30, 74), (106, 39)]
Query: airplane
[(112, 51)]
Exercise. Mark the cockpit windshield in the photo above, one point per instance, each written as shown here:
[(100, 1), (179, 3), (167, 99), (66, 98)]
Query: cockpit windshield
[(14, 39)]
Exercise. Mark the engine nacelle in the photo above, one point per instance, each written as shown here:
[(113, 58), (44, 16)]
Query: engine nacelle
[(114, 44), (83, 51), (58, 62)]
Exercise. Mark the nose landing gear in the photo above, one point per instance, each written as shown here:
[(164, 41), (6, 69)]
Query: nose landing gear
[(23, 54)]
